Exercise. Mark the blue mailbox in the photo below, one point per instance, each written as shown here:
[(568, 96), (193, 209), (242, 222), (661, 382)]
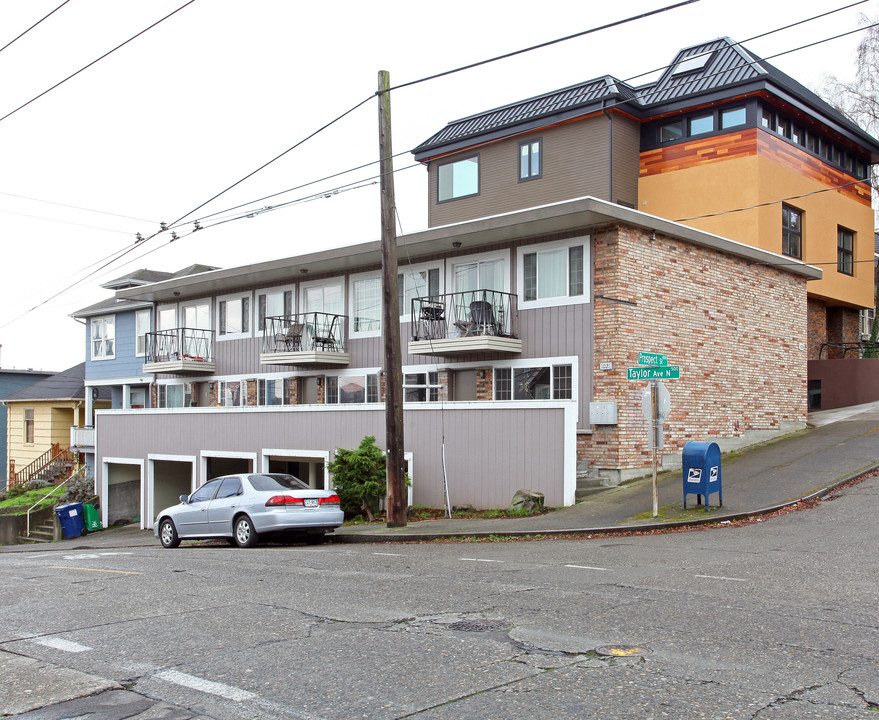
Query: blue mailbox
[(701, 470)]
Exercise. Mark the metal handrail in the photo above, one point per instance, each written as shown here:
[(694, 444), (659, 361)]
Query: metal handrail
[(54, 488), (304, 332), (465, 314), (180, 344)]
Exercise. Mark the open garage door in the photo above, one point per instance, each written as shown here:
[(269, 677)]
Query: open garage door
[(311, 470), (219, 464), (168, 480), (122, 499)]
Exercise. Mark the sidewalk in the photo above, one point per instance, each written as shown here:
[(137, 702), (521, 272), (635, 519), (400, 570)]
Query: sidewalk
[(839, 445)]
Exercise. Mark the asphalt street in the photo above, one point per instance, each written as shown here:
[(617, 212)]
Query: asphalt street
[(773, 619)]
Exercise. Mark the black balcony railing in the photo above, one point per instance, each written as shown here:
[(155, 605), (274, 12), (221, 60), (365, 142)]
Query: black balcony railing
[(465, 314), (180, 344), (305, 332)]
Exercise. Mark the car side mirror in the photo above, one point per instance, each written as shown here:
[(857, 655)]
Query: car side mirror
[(184, 499)]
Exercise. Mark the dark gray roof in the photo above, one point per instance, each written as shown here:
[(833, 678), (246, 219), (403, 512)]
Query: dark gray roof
[(192, 270), (67, 385), (138, 277), (110, 305), (568, 102), (729, 69)]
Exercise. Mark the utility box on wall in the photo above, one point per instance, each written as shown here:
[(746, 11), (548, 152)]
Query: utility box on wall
[(603, 413)]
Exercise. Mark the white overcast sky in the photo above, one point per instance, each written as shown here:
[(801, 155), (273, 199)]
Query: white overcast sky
[(206, 97)]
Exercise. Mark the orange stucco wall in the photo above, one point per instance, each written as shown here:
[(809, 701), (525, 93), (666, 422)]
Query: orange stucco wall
[(765, 169)]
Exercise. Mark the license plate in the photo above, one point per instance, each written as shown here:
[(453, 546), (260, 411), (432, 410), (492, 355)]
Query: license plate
[(311, 502)]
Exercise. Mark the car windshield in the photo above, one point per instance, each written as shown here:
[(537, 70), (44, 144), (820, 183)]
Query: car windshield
[(276, 481)]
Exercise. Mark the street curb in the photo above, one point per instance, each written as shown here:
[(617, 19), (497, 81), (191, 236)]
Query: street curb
[(612, 530)]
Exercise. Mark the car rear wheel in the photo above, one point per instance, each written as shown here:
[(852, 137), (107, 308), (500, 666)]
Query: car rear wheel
[(245, 535), (168, 534)]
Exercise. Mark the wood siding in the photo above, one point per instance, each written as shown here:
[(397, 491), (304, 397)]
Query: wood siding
[(575, 163), (490, 452)]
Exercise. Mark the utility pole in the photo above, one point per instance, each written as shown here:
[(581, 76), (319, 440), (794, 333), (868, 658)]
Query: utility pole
[(396, 497)]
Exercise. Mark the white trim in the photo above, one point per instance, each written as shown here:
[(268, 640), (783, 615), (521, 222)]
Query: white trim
[(205, 454), (561, 300), (150, 513), (421, 267), (149, 328), (134, 380), (221, 337), (105, 484), (101, 358), (323, 455), (352, 333)]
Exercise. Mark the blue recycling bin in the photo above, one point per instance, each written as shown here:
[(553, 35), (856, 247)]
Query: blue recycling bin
[(701, 471), (71, 518)]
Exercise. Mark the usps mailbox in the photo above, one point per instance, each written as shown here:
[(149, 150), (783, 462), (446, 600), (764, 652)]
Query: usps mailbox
[(701, 470)]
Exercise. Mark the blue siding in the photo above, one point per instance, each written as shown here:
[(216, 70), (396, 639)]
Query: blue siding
[(125, 364)]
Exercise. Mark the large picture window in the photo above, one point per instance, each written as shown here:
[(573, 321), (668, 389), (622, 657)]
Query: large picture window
[(350, 389), (553, 382), (367, 305), (103, 337), (416, 284), (421, 387), (270, 392), (553, 273), (274, 303), (231, 393), (458, 179), (174, 395)]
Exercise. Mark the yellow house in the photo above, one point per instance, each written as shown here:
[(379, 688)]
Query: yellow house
[(39, 417)]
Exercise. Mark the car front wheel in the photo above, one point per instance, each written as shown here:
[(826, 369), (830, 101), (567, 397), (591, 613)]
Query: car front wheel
[(245, 535), (168, 534)]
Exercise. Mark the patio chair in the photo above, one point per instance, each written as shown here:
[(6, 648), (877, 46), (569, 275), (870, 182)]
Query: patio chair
[(482, 320), (325, 335), (293, 337)]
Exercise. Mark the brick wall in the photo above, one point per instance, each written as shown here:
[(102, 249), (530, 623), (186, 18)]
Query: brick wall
[(737, 329), (817, 327), (291, 391), (484, 383)]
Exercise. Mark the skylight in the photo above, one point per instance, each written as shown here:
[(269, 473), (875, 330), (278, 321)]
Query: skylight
[(691, 64)]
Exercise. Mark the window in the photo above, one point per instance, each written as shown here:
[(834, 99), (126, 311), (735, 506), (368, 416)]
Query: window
[(367, 305), (175, 395), (103, 337), (167, 318), (274, 303), (141, 328), (553, 273), (348, 389), (323, 298), (206, 491), (671, 131), (701, 124), (865, 322), (767, 119), (234, 315), (479, 274), (197, 316), (29, 426), (733, 117), (791, 231), (845, 251), (692, 63), (421, 387), (529, 160), (270, 392), (231, 393), (231, 487), (783, 127), (458, 179), (414, 284), (796, 134), (533, 383)]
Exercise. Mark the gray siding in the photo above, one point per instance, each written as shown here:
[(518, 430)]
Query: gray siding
[(490, 452), (575, 164)]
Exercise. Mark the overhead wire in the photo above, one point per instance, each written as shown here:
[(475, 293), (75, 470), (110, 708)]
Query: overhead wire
[(95, 61), (21, 35)]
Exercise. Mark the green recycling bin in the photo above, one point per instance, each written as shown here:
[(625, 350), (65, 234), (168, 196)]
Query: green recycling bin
[(92, 518)]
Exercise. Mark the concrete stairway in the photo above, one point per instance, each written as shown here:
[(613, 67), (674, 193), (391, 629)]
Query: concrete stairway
[(43, 533)]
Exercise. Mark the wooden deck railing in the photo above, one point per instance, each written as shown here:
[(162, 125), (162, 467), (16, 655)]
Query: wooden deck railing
[(52, 456)]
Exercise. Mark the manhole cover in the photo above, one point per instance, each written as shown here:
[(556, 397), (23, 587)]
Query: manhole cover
[(480, 625), (622, 650)]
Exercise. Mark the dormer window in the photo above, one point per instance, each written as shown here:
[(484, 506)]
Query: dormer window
[(458, 179)]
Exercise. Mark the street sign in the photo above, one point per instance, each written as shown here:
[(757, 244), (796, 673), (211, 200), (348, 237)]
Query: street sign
[(652, 359), (667, 372)]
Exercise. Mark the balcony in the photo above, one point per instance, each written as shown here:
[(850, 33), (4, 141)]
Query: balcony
[(465, 323), (82, 439), (180, 350), (315, 338)]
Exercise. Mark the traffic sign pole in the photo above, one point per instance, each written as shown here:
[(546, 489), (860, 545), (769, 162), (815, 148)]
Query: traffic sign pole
[(655, 424)]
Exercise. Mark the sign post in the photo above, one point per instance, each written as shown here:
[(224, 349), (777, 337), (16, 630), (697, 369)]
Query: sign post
[(655, 403)]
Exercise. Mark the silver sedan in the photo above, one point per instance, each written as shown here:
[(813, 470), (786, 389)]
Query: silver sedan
[(241, 508)]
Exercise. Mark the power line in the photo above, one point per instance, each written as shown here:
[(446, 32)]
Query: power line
[(76, 207), (109, 52), (607, 26), (34, 25)]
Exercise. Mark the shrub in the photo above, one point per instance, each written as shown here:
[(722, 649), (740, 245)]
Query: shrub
[(80, 489), (16, 490), (360, 478), (37, 483), (3, 495)]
